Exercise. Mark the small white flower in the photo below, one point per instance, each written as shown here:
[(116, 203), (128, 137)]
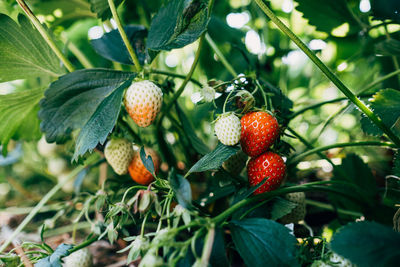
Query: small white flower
[(208, 93)]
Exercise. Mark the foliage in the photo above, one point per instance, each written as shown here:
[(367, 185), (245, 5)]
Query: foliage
[(199, 209)]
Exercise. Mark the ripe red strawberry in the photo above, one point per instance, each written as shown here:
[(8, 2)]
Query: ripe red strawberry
[(138, 171), (119, 153), (143, 101), (268, 165), (259, 132), (227, 129)]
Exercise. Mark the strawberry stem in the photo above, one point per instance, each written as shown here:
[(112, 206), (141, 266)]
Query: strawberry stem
[(296, 159), (124, 37), (220, 56)]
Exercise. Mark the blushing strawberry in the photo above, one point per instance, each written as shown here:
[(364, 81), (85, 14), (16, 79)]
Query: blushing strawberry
[(227, 129), (259, 131), (138, 171), (268, 165), (143, 101), (119, 153)]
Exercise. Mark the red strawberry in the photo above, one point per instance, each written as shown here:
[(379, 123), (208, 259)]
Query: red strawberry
[(268, 165), (259, 132)]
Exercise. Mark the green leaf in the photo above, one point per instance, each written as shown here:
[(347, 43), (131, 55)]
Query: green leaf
[(388, 48), (386, 9), (18, 116), (23, 52), (214, 159), (354, 171), (147, 161), (386, 104), (218, 254), (195, 141), (80, 100), (181, 188), (111, 46), (262, 242), (101, 122), (368, 244), (102, 9), (54, 260), (177, 24), (281, 207), (330, 15)]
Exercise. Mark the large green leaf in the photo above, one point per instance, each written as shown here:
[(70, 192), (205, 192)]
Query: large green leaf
[(18, 116), (354, 171), (177, 24), (102, 9), (262, 242), (85, 99), (214, 159), (23, 52), (111, 46), (330, 15), (368, 244), (101, 122), (386, 104)]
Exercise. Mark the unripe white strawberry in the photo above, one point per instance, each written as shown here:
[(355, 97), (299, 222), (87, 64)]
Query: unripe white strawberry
[(80, 258), (119, 153), (227, 129), (143, 101), (299, 212), (235, 163)]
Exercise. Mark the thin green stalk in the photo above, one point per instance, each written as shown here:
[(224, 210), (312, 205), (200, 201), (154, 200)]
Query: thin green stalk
[(331, 76), (330, 119), (26, 210), (268, 195), (84, 244), (124, 37), (310, 146), (297, 158), (39, 206), (46, 36), (330, 207), (379, 80), (171, 74), (317, 105), (221, 56)]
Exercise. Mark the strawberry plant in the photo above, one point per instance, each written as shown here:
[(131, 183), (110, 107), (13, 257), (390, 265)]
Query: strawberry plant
[(199, 133)]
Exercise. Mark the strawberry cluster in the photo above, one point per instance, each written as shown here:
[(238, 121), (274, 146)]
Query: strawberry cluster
[(143, 102), (259, 132), (256, 131)]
